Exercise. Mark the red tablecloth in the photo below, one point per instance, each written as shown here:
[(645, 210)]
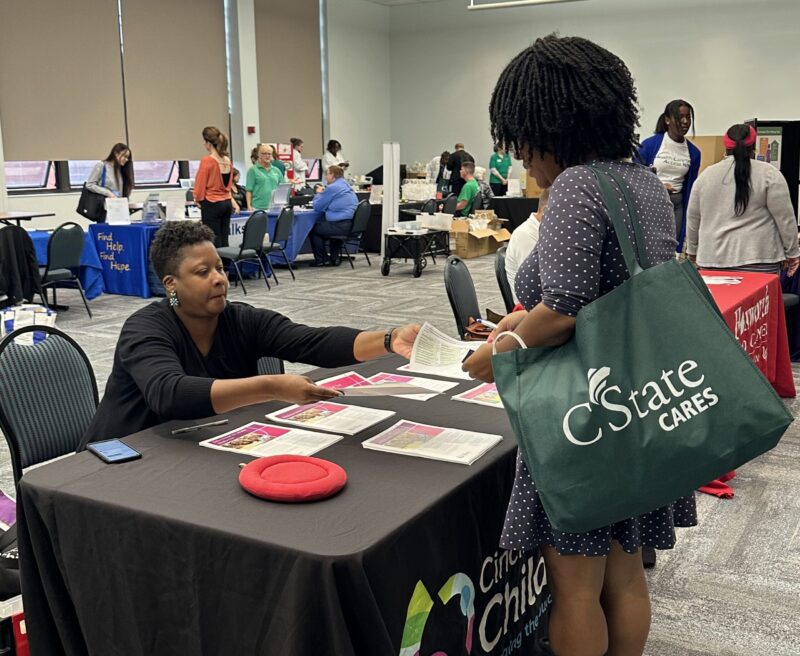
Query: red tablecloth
[(753, 310)]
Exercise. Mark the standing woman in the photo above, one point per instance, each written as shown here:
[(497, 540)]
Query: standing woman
[(500, 167), (263, 179), (675, 159), (299, 165), (113, 177), (562, 104), (212, 186), (740, 215)]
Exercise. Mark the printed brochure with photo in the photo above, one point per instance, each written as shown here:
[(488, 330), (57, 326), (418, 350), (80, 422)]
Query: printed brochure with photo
[(434, 442), (485, 394), (386, 384), (259, 440), (331, 417)]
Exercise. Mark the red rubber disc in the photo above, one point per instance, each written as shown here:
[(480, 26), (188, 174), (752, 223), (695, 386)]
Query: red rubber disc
[(292, 478)]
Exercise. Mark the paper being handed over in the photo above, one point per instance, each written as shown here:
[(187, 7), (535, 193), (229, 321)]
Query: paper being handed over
[(436, 353)]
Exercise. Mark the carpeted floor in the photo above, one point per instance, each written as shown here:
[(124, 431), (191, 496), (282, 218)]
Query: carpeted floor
[(731, 587)]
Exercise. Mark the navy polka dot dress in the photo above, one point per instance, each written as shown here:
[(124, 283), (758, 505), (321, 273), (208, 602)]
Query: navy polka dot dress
[(577, 260)]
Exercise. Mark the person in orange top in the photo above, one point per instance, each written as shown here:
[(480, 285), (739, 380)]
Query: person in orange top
[(212, 186)]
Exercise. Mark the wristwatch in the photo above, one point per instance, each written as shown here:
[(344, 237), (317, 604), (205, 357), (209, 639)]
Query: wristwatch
[(387, 340)]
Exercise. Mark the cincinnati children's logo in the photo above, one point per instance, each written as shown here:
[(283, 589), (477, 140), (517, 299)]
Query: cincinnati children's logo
[(676, 397)]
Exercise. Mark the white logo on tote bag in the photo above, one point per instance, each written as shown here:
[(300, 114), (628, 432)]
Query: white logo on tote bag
[(663, 395)]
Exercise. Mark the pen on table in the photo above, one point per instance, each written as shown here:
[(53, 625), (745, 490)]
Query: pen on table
[(486, 323), (189, 429)]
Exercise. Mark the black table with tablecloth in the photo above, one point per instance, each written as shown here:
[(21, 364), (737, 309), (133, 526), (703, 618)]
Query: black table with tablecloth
[(516, 210), (169, 555)]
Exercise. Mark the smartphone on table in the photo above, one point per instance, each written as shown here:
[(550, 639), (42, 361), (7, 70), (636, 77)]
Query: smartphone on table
[(113, 451)]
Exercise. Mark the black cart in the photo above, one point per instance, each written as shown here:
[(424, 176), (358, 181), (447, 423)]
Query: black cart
[(417, 247)]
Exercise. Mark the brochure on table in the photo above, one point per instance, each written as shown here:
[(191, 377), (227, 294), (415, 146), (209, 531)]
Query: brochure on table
[(385, 384), (257, 439), (485, 394), (331, 417), (433, 442), (436, 353)]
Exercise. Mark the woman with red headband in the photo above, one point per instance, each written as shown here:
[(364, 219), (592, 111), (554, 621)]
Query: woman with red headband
[(740, 215)]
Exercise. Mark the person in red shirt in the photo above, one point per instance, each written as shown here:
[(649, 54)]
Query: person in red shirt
[(212, 186)]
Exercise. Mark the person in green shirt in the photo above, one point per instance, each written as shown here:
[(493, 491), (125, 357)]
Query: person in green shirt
[(468, 192), (262, 179), (500, 167)]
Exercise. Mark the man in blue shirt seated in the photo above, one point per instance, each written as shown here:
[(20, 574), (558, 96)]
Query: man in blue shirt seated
[(338, 201)]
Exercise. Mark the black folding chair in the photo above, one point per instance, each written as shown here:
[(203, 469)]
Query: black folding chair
[(450, 204), (48, 396), (283, 227), (252, 248), (64, 251), (461, 293), (360, 222), (502, 278), (428, 207)]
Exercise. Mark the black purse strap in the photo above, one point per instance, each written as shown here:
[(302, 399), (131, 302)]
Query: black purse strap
[(636, 259)]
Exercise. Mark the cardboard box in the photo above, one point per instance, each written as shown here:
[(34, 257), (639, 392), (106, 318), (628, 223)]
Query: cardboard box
[(466, 242)]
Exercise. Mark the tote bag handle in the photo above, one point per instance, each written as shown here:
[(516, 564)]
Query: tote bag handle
[(636, 260)]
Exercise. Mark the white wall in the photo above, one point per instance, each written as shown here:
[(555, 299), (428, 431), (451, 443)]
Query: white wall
[(731, 63), (358, 74)]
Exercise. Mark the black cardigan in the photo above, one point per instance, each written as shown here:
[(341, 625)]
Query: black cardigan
[(159, 374)]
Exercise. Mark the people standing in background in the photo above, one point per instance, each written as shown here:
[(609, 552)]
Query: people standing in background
[(118, 178), (674, 158), (263, 179), (500, 169), (280, 165), (740, 214), (299, 165), (338, 201), (212, 186), (437, 170), (523, 241), (333, 156), (456, 159), (469, 189), (238, 192)]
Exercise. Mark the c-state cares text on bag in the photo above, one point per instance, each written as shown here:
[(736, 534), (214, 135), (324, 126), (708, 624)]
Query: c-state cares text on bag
[(652, 397)]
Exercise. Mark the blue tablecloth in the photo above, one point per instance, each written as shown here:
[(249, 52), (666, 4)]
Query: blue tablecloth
[(124, 255), (91, 271), (304, 221)]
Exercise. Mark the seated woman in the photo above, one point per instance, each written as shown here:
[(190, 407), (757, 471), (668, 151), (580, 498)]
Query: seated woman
[(193, 354), (338, 201)]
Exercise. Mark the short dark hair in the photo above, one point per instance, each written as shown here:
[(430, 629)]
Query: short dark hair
[(567, 96), (165, 251), (469, 167)]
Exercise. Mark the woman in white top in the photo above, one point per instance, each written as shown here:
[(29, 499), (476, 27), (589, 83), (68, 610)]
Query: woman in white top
[(740, 214), (675, 160), (523, 241), (118, 178), (333, 156), (299, 165)]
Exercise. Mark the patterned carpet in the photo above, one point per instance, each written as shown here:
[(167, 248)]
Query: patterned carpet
[(731, 587)]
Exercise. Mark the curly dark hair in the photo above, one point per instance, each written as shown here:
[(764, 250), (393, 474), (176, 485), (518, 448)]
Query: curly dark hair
[(165, 252), (569, 97)]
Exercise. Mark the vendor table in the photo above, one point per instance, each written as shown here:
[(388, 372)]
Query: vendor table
[(169, 555), (371, 241), (516, 210), (91, 271), (302, 225), (124, 252), (753, 310), (18, 217)]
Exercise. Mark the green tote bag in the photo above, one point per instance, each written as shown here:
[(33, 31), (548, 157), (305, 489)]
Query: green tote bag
[(650, 399)]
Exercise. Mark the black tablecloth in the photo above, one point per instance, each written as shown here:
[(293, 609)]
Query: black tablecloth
[(373, 236), (516, 210), (169, 555)]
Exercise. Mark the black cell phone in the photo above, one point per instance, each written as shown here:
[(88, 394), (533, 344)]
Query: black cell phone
[(113, 451)]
